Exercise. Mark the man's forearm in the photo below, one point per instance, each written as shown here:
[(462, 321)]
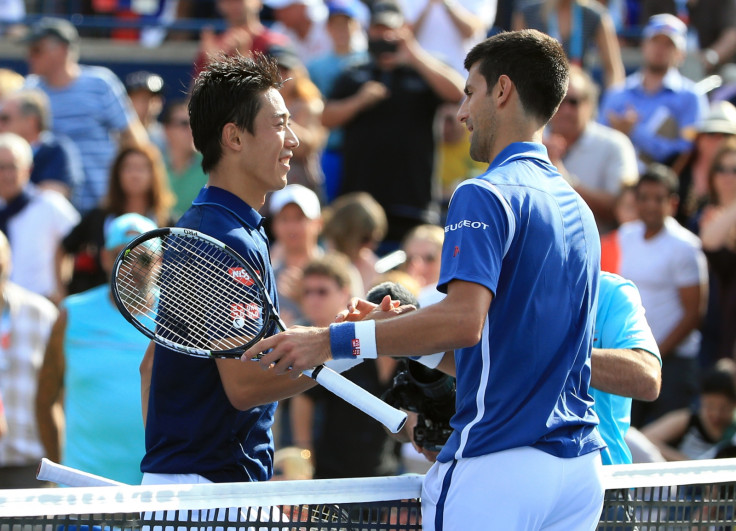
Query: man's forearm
[(635, 373)]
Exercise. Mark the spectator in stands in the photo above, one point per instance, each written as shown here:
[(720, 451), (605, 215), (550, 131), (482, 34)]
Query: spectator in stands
[(596, 160), (694, 167), (10, 81), (666, 263), (25, 329), (354, 225), (448, 30), (296, 223), (183, 161), (88, 104), (656, 105), (34, 220), (245, 32), (305, 104), (624, 210), (304, 23), (342, 24), (713, 21), (423, 246), (146, 93), (701, 431), (57, 164), (344, 441), (137, 184), (388, 106), (581, 26), (718, 234), (88, 402)]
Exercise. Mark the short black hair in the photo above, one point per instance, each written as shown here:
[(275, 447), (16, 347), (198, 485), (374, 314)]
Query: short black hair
[(535, 63), (397, 292), (227, 91), (717, 381), (660, 174)]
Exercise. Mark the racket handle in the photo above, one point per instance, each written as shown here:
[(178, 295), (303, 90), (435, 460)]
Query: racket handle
[(394, 419), (71, 477)]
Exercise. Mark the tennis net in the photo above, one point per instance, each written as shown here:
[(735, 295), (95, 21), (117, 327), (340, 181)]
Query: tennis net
[(694, 495)]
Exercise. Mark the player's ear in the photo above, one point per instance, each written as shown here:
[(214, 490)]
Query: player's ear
[(232, 137), (504, 87)]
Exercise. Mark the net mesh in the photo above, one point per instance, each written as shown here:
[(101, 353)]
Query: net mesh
[(670, 496)]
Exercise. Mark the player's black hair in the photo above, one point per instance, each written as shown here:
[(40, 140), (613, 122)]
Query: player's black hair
[(535, 63), (227, 91), (718, 382), (397, 292), (660, 174)]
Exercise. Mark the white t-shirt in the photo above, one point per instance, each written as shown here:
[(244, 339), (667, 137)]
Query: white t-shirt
[(34, 234), (439, 35), (659, 266)]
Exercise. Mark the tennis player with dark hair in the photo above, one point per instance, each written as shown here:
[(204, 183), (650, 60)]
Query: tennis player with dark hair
[(210, 420), (520, 265)]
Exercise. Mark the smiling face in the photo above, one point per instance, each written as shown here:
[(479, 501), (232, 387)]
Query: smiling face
[(478, 115)]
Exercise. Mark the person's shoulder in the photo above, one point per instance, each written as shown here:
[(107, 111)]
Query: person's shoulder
[(98, 76), (29, 299), (53, 199), (631, 229), (604, 134), (86, 297), (680, 234)]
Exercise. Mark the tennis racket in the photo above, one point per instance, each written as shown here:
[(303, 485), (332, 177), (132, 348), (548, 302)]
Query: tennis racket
[(190, 292)]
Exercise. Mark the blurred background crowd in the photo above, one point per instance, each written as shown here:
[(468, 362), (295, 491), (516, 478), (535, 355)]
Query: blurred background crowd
[(94, 125)]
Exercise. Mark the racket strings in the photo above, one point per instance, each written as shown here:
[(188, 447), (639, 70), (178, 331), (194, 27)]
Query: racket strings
[(199, 301)]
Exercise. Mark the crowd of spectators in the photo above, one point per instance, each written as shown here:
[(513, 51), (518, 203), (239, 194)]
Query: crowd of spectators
[(372, 87)]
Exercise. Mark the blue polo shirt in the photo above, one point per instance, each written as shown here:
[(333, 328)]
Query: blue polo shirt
[(522, 232), (619, 323), (676, 102), (191, 427)]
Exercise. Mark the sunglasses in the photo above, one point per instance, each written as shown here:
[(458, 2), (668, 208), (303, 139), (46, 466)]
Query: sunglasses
[(320, 292), (731, 170), (575, 102), (427, 258)]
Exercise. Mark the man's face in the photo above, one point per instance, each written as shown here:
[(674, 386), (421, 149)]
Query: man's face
[(177, 130), (266, 154), (45, 56), (654, 203), (233, 11), (423, 261), (322, 299), (659, 53), (477, 113), (294, 230), (575, 111), (13, 175)]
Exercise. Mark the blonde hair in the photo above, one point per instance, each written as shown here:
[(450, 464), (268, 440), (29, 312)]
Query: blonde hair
[(19, 147), (10, 81), (353, 221)]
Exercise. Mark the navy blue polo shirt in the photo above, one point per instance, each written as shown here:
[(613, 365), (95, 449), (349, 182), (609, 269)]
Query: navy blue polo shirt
[(191, 427)]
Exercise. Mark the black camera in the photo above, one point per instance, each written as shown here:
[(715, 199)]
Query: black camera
[(429, 393), (377, 47)]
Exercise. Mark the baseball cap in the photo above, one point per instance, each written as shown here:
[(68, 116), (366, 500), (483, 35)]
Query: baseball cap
[(300, 195), (52, 27), (285, 56), (721, 118), (387, 14), (349, 8), (669, 25), (278, 4), (123, 229), (142, 79)]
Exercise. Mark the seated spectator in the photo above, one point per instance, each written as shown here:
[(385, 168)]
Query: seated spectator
[(57, 164), (137, 184), (581, 26), (88, 404), (624, 210), (699, 432), (423, 247), (183, 161), (304, 102), (245, 32), (23, 337), (146, 93), (354, 225), (34, 220), (448, 30), (596, 160), (656, 105)]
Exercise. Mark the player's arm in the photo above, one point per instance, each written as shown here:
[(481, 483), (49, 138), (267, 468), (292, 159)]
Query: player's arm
[(146, 370), (134, 134), (631, 372), (49, 409), (692, 299)]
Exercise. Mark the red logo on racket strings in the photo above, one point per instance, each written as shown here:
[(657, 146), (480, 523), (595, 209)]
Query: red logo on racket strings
[(356, 347), (241, 275), (239, 312)]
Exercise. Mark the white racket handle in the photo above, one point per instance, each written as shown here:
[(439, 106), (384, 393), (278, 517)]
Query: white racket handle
[(71, 477), (394, 419)]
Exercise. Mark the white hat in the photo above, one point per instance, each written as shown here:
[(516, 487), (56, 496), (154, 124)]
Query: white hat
[(669, 25), (721, 118), (300, 195)]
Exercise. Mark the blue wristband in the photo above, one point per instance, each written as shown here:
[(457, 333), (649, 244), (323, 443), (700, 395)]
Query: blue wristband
[(353, 340)]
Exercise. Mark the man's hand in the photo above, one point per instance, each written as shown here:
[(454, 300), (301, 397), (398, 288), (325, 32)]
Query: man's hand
[(295, 350), (359, 309), (624, 122)]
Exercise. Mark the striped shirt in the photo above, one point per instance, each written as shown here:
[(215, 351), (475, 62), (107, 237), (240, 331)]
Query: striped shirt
[(89, 110), (26, 326)]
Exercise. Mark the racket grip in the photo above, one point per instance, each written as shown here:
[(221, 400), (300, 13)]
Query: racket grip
[(394, 419), (71, 477)]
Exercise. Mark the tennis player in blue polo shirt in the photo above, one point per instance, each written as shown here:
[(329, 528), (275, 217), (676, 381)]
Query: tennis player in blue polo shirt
[(520, 266)]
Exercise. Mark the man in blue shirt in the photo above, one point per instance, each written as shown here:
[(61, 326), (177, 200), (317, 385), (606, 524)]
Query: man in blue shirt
[(520, 267), (210, 420), (656, 105)]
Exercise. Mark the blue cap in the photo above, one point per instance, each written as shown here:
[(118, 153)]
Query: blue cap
[(669, 25), (349, 8), (123, 229)]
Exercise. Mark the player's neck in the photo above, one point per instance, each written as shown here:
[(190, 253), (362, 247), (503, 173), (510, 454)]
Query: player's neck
[(229, 176)]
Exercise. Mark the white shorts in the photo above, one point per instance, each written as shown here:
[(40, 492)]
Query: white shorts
[(522, 489)]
